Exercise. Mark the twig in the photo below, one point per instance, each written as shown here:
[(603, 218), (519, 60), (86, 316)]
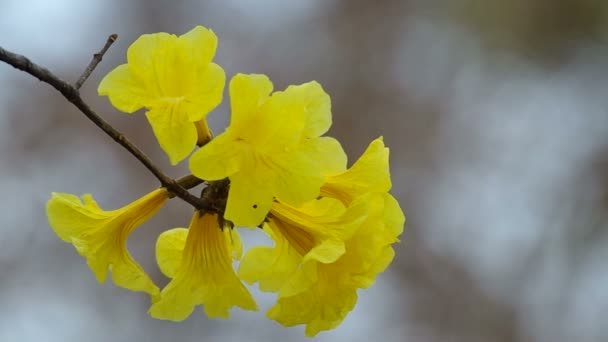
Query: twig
[(96, 59), (188, 182), (71, 94)]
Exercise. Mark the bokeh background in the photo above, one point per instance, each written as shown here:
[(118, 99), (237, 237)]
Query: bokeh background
[(495, 113)]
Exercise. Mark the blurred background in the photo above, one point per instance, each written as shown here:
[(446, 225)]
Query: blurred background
[(495, 113)]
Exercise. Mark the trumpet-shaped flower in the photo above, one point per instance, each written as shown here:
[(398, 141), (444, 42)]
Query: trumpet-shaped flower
[(199, 260), (320, 288), (100, 236), (174, 78), (272, 148), (328, 291)]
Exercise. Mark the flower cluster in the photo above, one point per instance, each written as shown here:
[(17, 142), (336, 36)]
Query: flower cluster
[(272, 170)]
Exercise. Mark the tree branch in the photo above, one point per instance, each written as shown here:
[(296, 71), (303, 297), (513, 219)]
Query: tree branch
[(96, 59), (71, 94), (188, 182)]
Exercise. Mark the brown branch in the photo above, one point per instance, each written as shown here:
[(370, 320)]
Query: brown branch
[(188, 182), (96, 59), (71, 94)]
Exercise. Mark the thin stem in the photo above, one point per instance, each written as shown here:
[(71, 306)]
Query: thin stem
[(72, 95), (188, 182), (96, 59)]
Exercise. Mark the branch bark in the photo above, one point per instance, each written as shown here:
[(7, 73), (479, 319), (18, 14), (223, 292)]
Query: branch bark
[(96, 59), (72, 94)]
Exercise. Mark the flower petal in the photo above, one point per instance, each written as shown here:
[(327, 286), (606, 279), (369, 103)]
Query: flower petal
[(199, 44), (394, 219), (218, 159), (247, 93), (370, 173), (275, 126), (169, 248), (302, 280), (326, 252), (270, 266), (322, 307), (151, 59), (278, 125), (382, 261), (327, 152), (236, 244), (175, 133), (249, 199), (205, 93), (68, 217), (124, 91), (317, 106), (300, 172), (297, 178)]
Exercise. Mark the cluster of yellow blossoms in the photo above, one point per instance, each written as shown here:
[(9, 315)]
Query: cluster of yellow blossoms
[(272, 169)]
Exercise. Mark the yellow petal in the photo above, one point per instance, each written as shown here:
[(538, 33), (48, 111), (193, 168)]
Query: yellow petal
[(323, 307), (68, 217), (175, 133), (100, 236), (328, 153), (295, 176), (369, 251), (339, 226), (236, 244), (270, 266), (247, 94), (89, 202), (369, 173), (205, 92), (275, 126), (249, 199), (169, 248), (298, 178), (394, 219), (204, 276), (302, 280), (381, 262), (199, 44), (300, 173), (124, 91), (218, 159), (278, 125), (326, 252), (317, 106), (151, 58)]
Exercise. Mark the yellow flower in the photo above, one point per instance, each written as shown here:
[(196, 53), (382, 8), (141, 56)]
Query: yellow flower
[(320, 289), (174, 78), (272, 148), (199, 260), (100, 236), (322, 294)]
